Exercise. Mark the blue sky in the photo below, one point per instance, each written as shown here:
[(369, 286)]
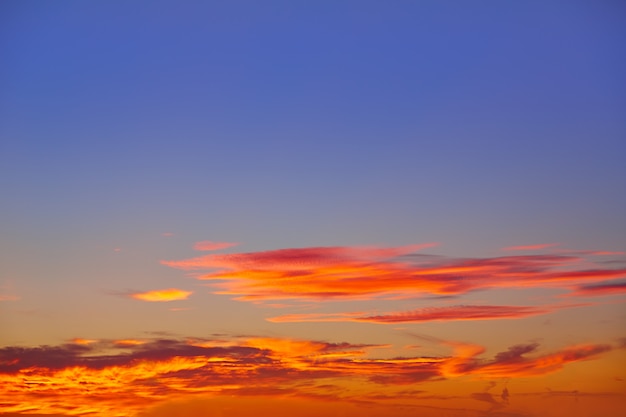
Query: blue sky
[(434, 119)]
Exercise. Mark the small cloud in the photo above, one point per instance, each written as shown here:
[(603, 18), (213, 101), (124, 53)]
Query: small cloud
[(9, 297), (128, 342), (531, 247), (80, 341), (167, 234), (179, 309), (117, 250), (210, 245), (169, 294)]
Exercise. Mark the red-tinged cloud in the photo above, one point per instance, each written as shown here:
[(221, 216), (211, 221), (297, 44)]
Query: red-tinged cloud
[(368, 273), (111, 378), (601, 289), (531, 247), (169, 294), (207, 245), (298, 258), (452, 313)]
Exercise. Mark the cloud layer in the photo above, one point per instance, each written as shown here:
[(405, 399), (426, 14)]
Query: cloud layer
[(105, 377)]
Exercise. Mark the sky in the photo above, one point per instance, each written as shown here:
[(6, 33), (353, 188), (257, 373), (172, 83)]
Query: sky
[(304, 208)]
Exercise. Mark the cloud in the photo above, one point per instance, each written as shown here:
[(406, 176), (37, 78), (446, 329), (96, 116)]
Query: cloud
[(530, 247), (9, 297), (453, 313), (107, 376), (334, 273), (207, 245), (513, 363), (601, 289), (81, 341), (169, 294)]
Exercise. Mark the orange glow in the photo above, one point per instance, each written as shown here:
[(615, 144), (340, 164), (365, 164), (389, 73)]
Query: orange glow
[(170, 294)]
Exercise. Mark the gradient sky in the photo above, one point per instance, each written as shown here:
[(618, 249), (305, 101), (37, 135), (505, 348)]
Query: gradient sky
[(304, 208)]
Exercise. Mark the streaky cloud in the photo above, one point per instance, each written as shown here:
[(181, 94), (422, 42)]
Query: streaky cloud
[(601, 289), (452, 313), (365, 273), (530, 247)]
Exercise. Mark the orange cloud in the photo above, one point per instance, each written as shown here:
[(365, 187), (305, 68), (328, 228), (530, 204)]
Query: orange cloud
[(453, 313), (127, 342), (210, 245), (170, 294), (120, 379), (368, 273), (80, 341)]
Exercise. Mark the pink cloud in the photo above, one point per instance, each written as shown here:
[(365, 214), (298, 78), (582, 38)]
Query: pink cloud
[(207, 245)]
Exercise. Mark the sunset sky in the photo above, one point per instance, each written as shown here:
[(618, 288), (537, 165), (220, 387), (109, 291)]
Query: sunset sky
[(313, 208)]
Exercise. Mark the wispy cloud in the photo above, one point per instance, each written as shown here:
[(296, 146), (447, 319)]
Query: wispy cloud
[(373, 272), (530, 247), (99, 377), (169, 294), (452, 313), (514, 363), (208, 245), (604, 288)]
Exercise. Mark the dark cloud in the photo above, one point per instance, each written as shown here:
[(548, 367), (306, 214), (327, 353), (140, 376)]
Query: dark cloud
[(13, 359), (604, 288), (515, 353)]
